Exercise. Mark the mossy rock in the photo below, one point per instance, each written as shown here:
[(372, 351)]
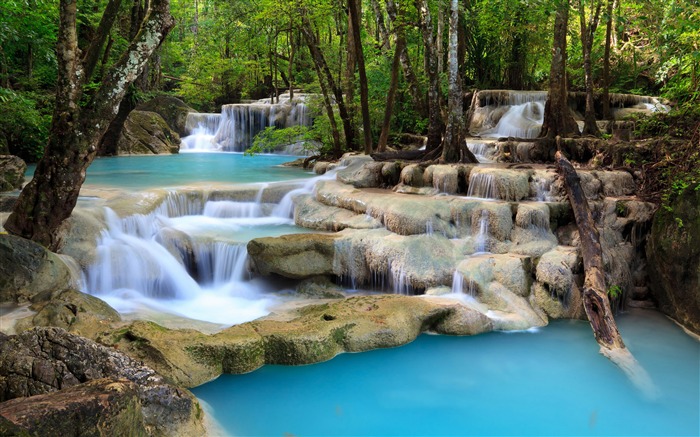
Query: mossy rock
[(173, 110), (147, 133), (673, 253), (12, 170)]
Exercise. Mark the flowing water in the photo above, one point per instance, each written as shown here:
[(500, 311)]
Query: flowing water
[(551, 381)]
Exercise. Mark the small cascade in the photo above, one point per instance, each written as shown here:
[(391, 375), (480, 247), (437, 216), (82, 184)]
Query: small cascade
[(187, 257), (462, 286), (482, 185), (520, 121), (484, 152), (236, 127), (429, 227), (399, 281), (482, 236), (543, 187)]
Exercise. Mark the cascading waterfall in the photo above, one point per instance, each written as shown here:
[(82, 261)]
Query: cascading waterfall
[(520, 121), (462, 286), (484, 152), (482, 185), (236, 127), (482, 236)]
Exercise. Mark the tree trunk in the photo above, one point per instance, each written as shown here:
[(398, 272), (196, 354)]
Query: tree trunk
[(381, 28), (588, 28), (453, 146), (290, 70), (440, 34), (393, 85), (607, 112), (558, 120), (435, 124), (349, 82), (326, 79), (354, 12), (51, 195), (595, 297), (419, 103), (518, 53)]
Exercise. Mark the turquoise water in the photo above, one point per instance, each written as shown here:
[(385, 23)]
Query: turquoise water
[(151, 171), (550, 382)]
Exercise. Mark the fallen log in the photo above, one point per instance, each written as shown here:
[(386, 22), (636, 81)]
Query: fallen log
[(595, 298)]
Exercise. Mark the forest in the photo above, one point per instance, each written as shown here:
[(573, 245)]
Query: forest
[(380, 62)]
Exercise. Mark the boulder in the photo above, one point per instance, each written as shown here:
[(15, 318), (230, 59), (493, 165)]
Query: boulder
[(295, 256), (147, 133), (96, 408), (362, 172), (45, 360), (173, 110), (27, 269), (12, 170), (673, 255)]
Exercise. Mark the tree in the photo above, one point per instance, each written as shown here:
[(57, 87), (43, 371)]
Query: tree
[(453, 147), (354, 12), (76, 129), (558, 120), (435, 124), (605, 96), (588, 28)]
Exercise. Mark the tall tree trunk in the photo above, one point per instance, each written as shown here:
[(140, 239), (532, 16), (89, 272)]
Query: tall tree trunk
[(51, 195), (384, 43), (440, 34), (354, 12), (518, 54), (292, 53), (453, 146), (588, 28), (607, 112), (558, 120), (349, 82), (396, 18), (435, 124), (393, 85), (325, 74)]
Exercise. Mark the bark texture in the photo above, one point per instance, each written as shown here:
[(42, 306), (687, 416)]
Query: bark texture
[(354, 11), (588, 28), (595, 298), (558, 120), (453, 146), (435, 124), (76, 130)]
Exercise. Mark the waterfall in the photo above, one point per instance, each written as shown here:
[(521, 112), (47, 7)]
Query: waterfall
[(484, 152), (236, 127), (482, 185), (520, 121), (482, 236), (461, 286), (187, 257)]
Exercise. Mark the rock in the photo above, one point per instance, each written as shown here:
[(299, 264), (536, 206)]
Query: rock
[(173, 110), (27, 269), (412, 175), (45, 360), (72, 310), (293, 256), (362, 172), (12, 170), (312, 214), (320, 287), (147, 133), (511, 185), (95, 408), (445, 178), (79, 234), (673, 254)]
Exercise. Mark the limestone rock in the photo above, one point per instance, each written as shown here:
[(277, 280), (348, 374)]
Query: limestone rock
[(72, 310), (28, 269), (312, 214), (12, 170), (293, 256), (44, 360), (173, 110), (147, 133), (362, 172), (95, 408), (673, 254)]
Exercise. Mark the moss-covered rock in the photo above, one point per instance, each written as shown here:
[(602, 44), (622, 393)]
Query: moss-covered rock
[(673, 254), (173, 110), (12, 170), (28, 269), (293, 256), (147, 133), (96, 408)]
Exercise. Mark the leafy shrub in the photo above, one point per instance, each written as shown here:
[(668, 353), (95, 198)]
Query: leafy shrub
[(23, 126)]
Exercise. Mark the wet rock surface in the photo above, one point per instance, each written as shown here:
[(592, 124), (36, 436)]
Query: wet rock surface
[(147, 133), (12, 170), (45, 360)]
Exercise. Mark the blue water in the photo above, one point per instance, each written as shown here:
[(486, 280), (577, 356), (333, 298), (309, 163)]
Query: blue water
[(151, 171), (551, 382)]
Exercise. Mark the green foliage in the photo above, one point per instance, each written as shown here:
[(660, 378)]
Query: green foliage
[(615, 291), (272, 139), (23, 126)]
